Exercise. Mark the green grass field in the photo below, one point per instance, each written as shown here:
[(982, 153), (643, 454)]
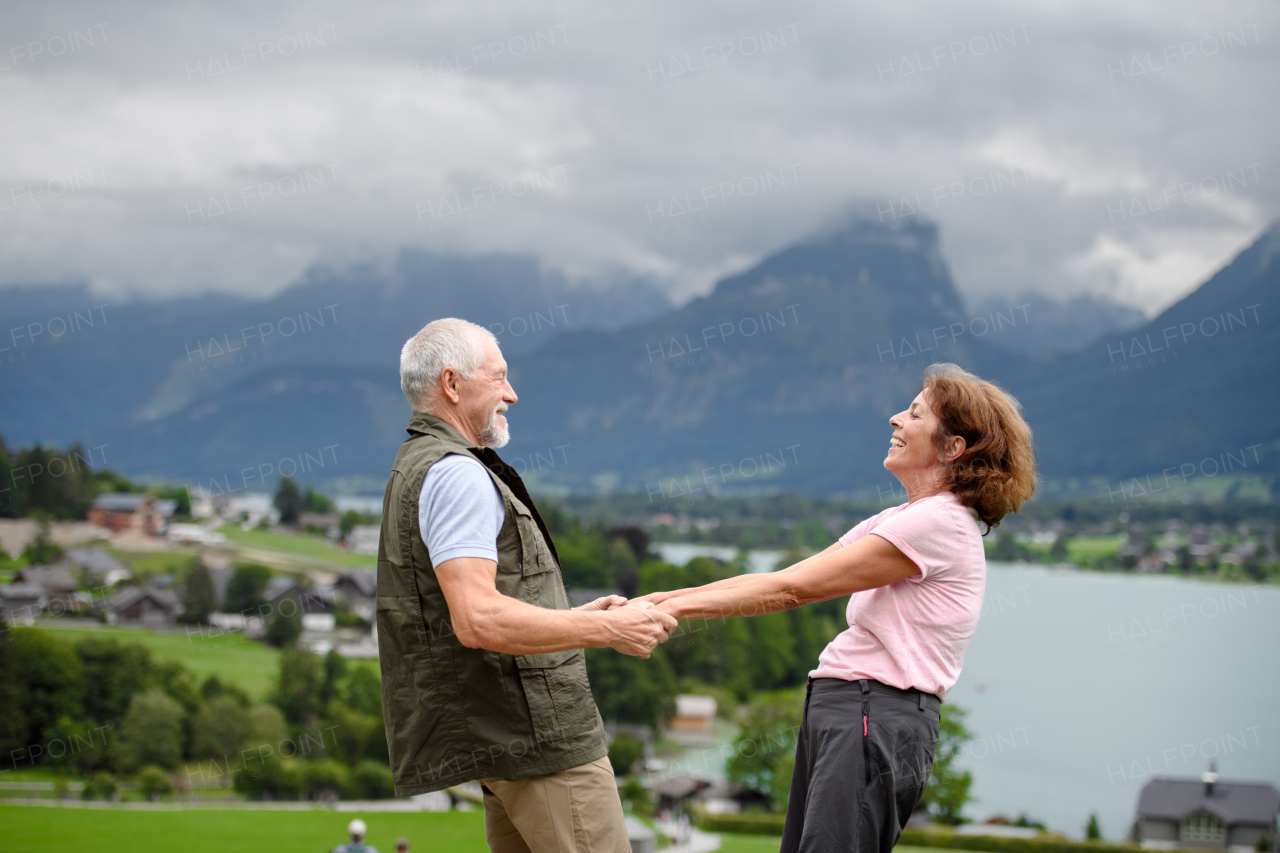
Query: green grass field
[(302, 545), (28, 830), (205, 652), (1083, 549)]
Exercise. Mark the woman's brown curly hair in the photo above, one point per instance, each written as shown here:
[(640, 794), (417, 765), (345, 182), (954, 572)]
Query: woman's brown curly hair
[(996, 473)]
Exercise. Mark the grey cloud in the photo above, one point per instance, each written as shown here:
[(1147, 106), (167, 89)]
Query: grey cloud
[(1023, 130)]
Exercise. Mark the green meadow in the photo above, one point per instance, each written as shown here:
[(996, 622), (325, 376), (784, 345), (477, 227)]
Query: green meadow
[(204, 651)]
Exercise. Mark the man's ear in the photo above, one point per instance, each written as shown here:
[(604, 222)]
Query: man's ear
[(449, 379)]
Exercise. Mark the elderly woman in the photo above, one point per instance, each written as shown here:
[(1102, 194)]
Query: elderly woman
[(915, 574)]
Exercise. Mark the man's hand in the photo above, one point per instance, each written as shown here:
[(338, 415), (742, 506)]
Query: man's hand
[(637, 629), (608, 602)]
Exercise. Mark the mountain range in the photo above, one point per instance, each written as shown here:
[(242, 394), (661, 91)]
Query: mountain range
[(782, 377)]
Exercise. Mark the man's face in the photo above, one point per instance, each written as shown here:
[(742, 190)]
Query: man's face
[(486, 396)]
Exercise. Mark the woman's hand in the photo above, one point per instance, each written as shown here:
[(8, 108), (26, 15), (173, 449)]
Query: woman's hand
[(656, 597)]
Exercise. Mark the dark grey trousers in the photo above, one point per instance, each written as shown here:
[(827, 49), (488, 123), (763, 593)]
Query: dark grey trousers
[(862, 760)]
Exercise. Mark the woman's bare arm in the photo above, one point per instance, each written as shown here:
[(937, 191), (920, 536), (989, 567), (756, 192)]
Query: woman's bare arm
[(869, 563), (727, 583)]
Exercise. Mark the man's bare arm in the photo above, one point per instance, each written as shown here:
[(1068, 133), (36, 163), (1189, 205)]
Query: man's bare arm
[(484, 618)]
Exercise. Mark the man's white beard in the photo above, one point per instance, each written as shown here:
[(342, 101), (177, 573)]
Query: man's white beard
[(495, 434)]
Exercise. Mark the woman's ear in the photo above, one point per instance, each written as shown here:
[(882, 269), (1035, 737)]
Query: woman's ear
[(955, 447)]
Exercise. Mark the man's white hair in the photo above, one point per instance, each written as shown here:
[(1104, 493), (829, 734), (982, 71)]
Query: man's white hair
[(448, 342)]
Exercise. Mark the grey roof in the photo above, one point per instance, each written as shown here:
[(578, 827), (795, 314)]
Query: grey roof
[(21, 591), (279, 585), (166, 506), (131, 595), (1232, 802), (55, 578), (121, 501), (312, 601), (365, 581), (679, 787), (95, 560)]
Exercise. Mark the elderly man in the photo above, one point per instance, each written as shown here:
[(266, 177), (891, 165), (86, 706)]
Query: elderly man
[(483, 675)]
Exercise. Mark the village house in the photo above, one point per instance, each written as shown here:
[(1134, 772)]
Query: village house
[(56, 582), (359, 588), (21, 603), (1206, 813), (124, 511), (143, 605), (104, 568), (317, 609), (693, 713)]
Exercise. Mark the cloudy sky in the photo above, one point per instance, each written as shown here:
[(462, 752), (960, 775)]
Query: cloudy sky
[(1124, 149)]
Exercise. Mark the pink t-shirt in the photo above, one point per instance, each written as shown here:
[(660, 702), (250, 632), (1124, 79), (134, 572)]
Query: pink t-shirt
[(913, 633)]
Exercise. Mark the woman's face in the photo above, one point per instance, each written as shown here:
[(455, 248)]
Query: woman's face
[(911, 447)]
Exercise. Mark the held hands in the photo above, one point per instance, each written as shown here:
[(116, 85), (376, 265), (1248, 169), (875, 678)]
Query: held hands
[(637, 627)]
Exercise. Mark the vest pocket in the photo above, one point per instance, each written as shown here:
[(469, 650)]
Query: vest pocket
[(558, 694)]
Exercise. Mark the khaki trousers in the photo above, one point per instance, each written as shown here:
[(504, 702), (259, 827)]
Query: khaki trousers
[(570, 811)]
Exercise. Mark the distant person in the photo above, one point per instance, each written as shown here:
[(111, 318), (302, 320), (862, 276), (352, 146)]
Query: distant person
[(357, 830), (483, 675), (916, 575), (402, 845)]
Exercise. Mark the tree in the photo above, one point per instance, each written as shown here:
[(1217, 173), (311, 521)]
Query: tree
[(947, 790), (315, 502), (351, 731), (60, 484), (113, 673), (297, 691), (1092, 832), (772, 651), (266, 728), (213, 687), (198, 603), (621, 564), (288, 501), (363, 691), (221, 728), (350, 519), (13, 717), (371, 780), (285, 628), (624, 751), (630, 689), (12, 504), (154, 782), (41, 551), (101, 785), (53, 679), (335, 669), (245, 587), (151, 732), (176, 493), (768, 734), (1059, 550), (180, 685)]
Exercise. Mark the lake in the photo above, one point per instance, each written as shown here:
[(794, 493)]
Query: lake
[(679, 553), (1082, 686)]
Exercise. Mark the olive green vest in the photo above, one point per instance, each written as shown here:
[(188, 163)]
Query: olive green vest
[(456, 714)]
